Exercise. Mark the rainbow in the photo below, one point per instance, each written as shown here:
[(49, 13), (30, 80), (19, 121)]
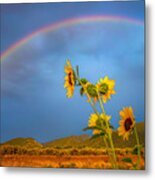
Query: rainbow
[(65, 23)]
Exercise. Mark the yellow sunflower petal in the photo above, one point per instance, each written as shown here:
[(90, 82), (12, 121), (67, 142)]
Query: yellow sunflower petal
[(127, 122), (110, 88), (69, 79)]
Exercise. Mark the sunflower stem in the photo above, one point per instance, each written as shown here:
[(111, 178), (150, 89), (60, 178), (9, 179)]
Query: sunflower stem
[(89, 98), (138, 144), (109, 134), (107, 149), (95, 110), (77, 71)]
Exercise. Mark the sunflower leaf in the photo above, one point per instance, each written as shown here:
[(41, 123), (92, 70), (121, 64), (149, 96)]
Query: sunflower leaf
[(97, 135), (92, 127), (128, 160)]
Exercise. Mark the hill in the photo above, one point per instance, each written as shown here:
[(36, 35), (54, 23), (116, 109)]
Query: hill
[(70, 141), (24, 142), (81, 141), (86, 141)]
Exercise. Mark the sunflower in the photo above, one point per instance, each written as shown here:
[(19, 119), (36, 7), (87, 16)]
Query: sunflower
[(106, 88), (98, 121), (127, 122), (70, 79), (92, 91)]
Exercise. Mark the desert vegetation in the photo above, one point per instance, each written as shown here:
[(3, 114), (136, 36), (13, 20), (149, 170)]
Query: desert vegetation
[(67, 158), (78, 152)]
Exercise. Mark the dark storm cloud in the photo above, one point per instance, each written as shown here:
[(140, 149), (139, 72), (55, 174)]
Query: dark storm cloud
[(10, 93), (36, 69), (44, 54)]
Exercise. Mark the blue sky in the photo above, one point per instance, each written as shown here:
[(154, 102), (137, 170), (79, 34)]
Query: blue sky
[(33, 101)]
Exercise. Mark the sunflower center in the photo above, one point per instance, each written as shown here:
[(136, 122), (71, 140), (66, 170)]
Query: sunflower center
[(103, 88), (128, 123), (98, 122), (70, 78)]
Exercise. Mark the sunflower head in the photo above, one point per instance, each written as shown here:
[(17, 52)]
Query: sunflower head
[(105, 118), (98, 121), (93, 121), (92, 91), (106, 88), (127, 122), (70, 79), (83, 81)]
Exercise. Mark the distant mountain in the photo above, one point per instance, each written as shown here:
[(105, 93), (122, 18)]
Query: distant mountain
[(24, 142), (70, 141), (86, 141), (81, 141)]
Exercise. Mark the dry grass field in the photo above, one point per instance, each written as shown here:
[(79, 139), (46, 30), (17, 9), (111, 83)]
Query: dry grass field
[(74, 161), (72, 152)]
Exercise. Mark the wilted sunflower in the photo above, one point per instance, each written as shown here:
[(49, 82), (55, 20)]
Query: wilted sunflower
[(127, 122), (70, 79), (106, 88), (98, 121)]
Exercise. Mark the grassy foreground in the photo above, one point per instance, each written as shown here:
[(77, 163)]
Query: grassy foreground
[(46, 161), (73, 158), (72, 152)]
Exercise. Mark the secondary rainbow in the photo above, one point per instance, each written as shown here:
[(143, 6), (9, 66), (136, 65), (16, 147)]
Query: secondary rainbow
[(66, 23)]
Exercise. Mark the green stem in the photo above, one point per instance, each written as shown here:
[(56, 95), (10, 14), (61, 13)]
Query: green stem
[(138, 144), (95, 110), (89, 98), (109, 134), (107, 149), (77, 71)]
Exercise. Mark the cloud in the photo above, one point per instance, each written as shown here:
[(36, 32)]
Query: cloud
[(98, 48), (95, 43), (33, 76)]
